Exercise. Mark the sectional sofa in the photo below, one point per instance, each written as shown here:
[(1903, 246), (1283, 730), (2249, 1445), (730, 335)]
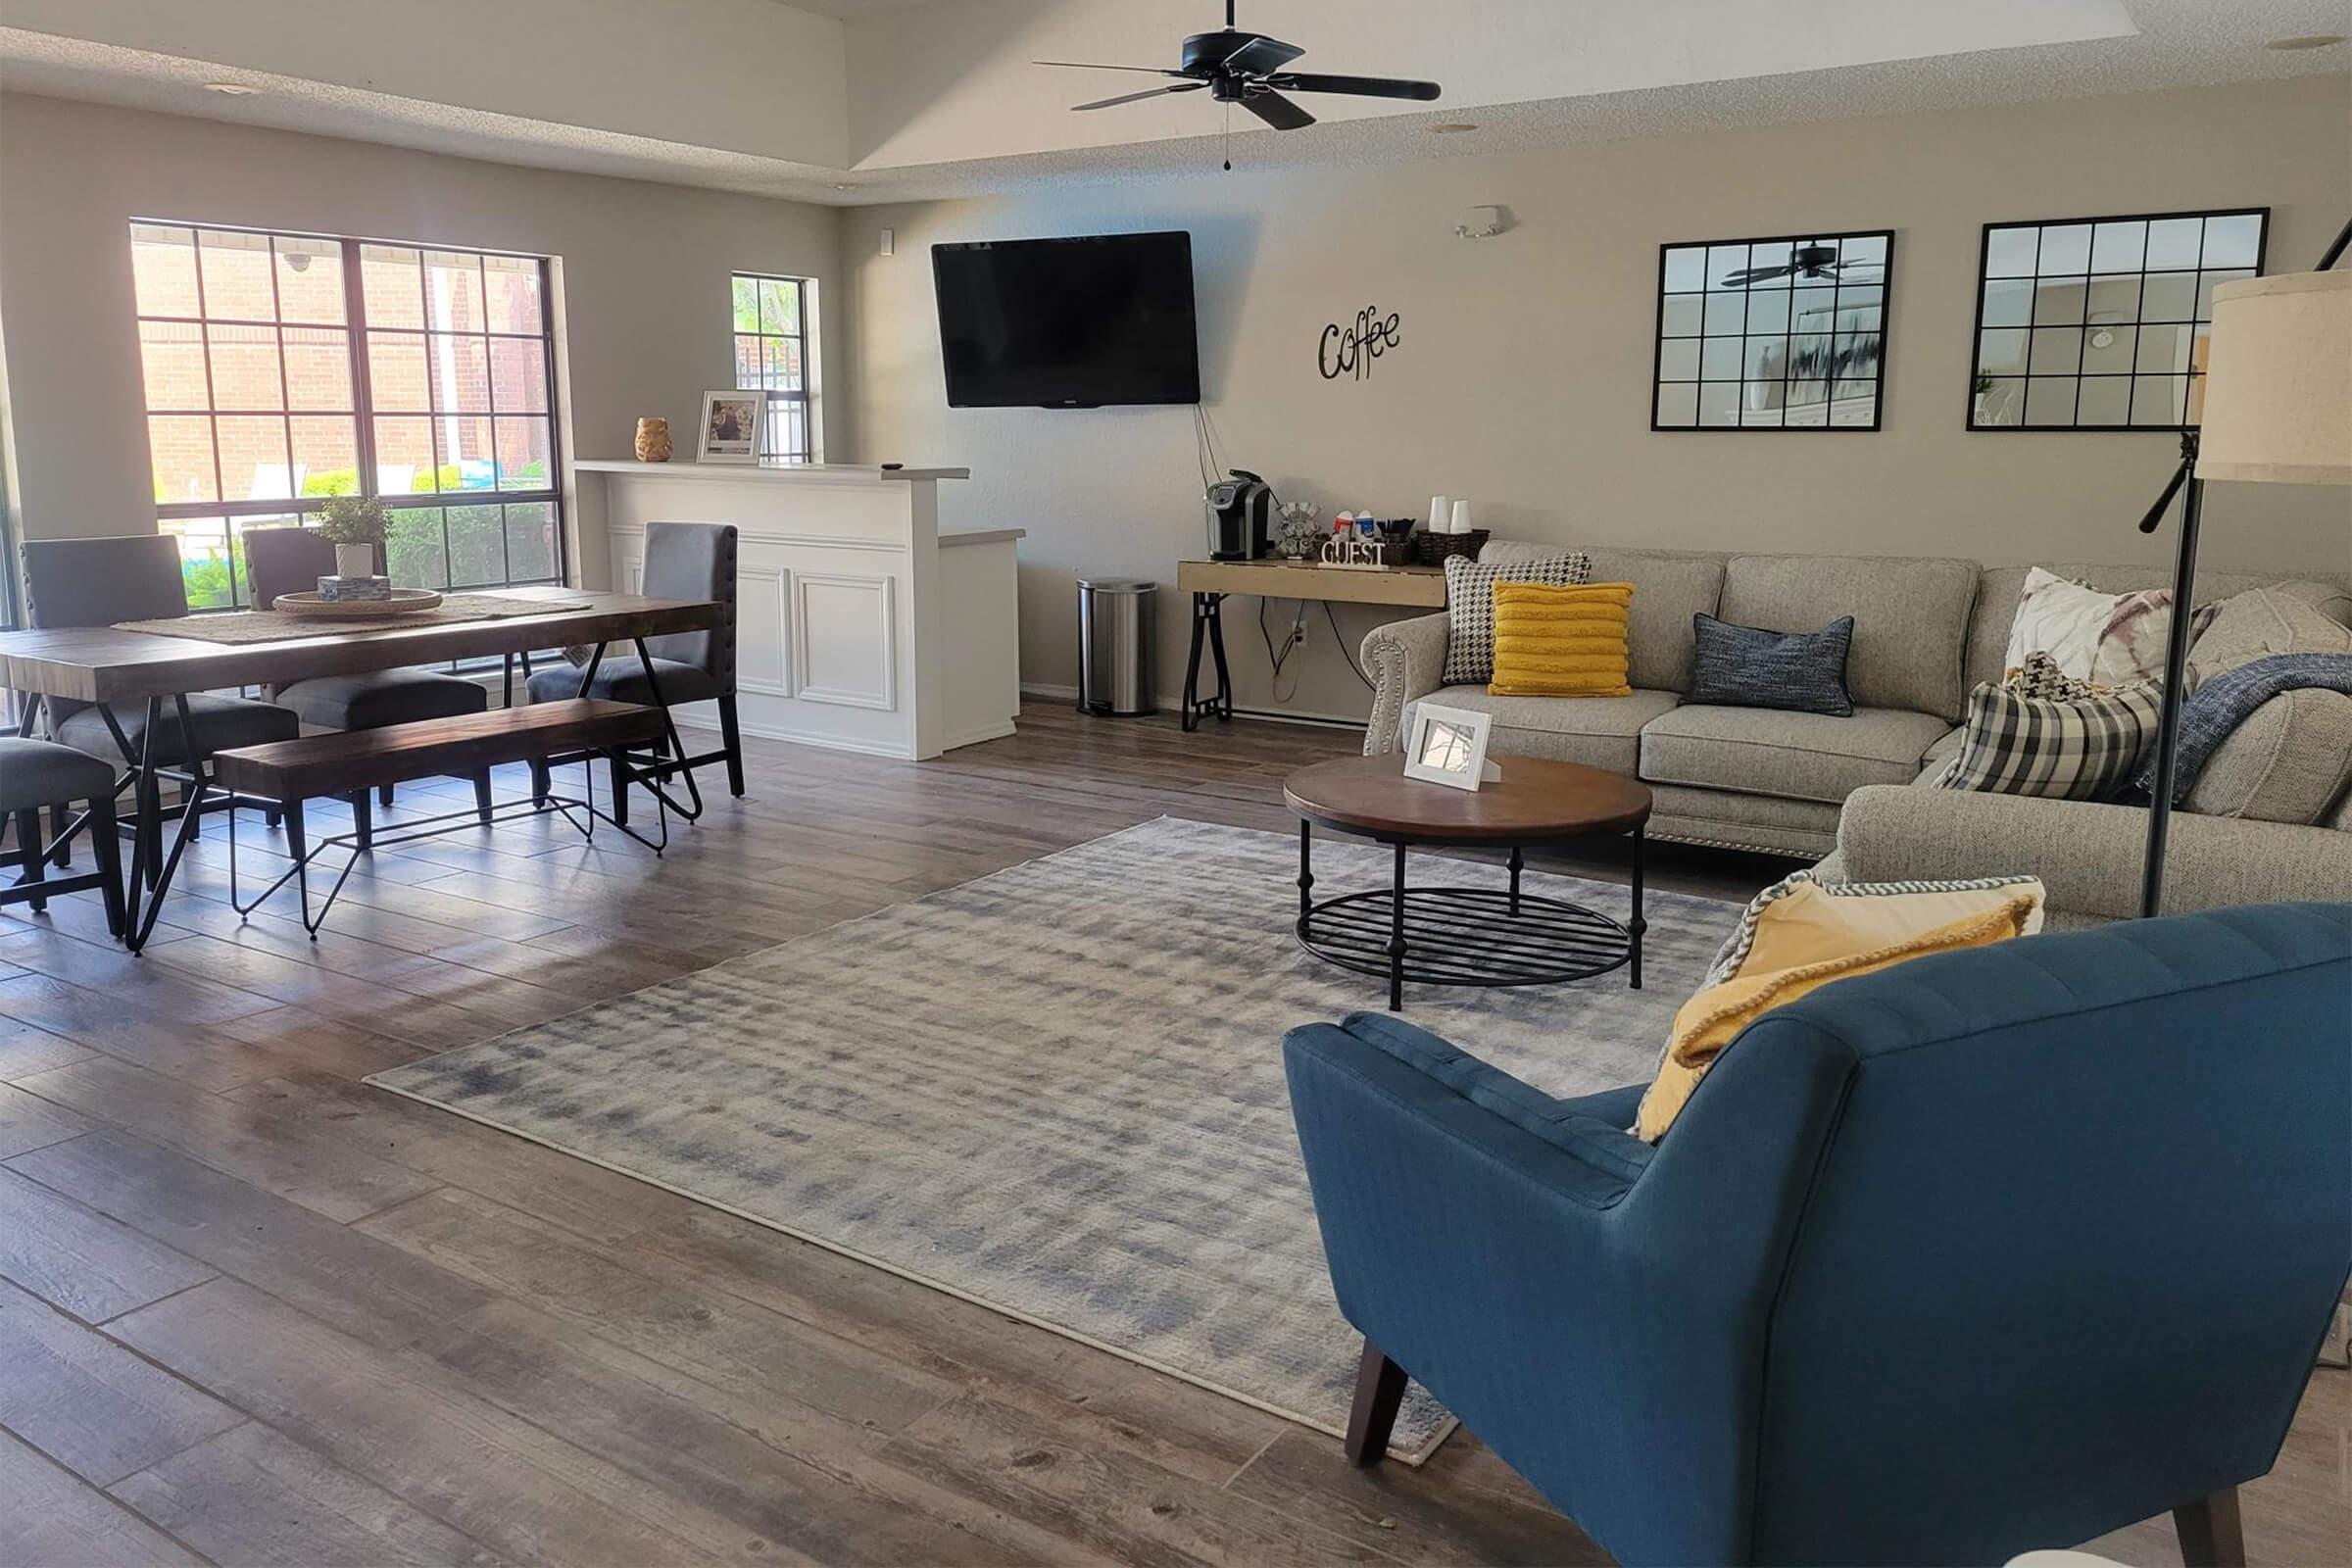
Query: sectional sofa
[(1859, 790)]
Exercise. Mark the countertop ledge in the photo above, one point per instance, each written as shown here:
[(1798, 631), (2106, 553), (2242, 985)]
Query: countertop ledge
[(982, 536), (835, 473)]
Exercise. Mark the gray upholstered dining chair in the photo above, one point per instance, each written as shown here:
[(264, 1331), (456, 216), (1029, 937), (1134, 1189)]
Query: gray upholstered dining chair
[(100, 583), (682, 561), (285, 560), (42, 773)]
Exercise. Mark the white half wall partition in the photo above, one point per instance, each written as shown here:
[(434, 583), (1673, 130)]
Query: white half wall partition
[(858, 624)]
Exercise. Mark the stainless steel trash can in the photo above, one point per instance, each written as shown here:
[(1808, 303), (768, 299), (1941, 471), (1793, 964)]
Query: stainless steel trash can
[(1114, 647)]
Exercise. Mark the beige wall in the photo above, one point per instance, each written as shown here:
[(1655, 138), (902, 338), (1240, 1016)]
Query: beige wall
[(1521, 379), (643, 279)]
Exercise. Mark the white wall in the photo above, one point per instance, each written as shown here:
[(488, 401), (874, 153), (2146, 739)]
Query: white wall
[(643, 279), (1523, 377)]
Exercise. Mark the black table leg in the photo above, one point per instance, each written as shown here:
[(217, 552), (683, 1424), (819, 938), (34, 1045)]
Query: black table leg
[(1518, 864), (1306, 876), (1396, 937), (1637, 925), (1221, 704), (1190, 714), (1209, 631)]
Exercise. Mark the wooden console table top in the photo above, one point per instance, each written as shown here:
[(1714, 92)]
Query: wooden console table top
[(1421, 587)]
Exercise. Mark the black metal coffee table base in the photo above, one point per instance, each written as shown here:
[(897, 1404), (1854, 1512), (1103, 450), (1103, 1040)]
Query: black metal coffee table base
[(1449, 936)]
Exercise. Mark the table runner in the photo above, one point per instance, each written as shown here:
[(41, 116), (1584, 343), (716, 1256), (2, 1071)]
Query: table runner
[(241, 626)]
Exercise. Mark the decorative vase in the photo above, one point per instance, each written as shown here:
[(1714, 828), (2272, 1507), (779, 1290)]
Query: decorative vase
[(354, 560), (652, 440)]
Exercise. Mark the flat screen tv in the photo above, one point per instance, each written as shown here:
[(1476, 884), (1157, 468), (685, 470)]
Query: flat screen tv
[(1068, 324)]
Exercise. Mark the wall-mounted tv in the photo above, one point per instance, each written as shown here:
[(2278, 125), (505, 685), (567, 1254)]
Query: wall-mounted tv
[(1068, 324)]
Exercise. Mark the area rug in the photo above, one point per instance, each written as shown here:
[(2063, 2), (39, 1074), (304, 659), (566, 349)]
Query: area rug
[(1058, 1091)]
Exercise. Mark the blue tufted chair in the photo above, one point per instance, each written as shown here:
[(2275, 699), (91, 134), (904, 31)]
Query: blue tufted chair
[(1991, 1251)]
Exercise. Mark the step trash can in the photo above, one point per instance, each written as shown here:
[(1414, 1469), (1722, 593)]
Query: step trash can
[(1114, 647)]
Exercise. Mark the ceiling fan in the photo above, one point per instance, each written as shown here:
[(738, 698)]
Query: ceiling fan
[(1245, 68), (1806, 260)]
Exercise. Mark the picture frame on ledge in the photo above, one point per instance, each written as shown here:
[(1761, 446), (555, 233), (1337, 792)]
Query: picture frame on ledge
[(1449, 746), (730, 426)]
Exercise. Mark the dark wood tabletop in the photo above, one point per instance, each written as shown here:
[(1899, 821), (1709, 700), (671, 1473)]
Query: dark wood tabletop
[(98, 663), (1535, 802)]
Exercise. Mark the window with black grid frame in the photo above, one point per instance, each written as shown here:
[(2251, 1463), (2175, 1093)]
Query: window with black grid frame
[(282, 370), (773, 317)]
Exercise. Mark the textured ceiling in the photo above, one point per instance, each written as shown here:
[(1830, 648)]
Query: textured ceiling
[(2178, 43)]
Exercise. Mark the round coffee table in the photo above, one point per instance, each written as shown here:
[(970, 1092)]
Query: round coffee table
[(1466, 936)]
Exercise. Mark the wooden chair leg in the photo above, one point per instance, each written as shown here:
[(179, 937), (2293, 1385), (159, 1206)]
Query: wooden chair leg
[(363, 821), (733, 738), (1379, 1394), (540, 784), (60, 850), (105, 848), (481, 795), (383, 794), (2211, 1533), (34, 854)]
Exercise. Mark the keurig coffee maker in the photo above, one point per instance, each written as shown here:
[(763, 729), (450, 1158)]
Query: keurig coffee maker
[(1241, 511)]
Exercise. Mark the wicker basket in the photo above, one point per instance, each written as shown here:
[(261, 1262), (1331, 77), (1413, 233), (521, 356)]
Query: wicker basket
[(1437, 548)]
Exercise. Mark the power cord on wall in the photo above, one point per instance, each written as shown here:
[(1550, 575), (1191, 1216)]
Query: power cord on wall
[(1278, 658)]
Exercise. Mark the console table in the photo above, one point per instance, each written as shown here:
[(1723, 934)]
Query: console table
[(1210, 581)]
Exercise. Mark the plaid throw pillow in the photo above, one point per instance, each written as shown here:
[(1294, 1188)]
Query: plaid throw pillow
[(1470, 606), (2045, 733)]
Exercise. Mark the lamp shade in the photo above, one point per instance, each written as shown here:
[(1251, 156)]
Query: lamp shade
[(2278, 382)]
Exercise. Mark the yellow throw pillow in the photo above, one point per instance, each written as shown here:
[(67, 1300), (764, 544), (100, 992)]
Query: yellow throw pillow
[(1801, 933), (1560, 642)]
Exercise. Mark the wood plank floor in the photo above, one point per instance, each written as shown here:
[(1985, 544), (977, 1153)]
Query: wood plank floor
[(252, 1312)]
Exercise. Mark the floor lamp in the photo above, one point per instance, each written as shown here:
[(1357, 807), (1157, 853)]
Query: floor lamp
[(2277, 410)]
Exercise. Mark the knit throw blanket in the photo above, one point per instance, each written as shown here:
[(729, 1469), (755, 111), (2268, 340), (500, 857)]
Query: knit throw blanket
[(2215, 710)]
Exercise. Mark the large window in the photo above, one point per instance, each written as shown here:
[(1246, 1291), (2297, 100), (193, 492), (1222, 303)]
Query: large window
[(285, 369), (773, 321)]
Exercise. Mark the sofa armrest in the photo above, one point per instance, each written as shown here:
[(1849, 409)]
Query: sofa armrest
[(1407, 660), (2086, 854)]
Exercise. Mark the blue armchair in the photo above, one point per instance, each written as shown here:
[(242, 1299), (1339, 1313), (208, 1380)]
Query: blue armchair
[(1992, 1250)]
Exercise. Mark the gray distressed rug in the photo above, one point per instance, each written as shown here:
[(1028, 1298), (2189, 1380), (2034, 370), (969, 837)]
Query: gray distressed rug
[(1058, 1091)]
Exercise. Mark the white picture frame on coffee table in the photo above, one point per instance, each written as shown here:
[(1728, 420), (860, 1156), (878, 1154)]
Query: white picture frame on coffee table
[(1449, 746)]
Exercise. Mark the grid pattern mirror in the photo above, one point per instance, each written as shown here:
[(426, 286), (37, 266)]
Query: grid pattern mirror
[(1773, 334), (2100, 323)]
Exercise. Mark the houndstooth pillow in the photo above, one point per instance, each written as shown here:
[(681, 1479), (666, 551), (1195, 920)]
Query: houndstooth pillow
[(1470, 606), (2045, 733)]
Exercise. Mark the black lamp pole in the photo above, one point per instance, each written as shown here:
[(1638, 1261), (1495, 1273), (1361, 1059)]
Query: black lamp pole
[(2176, 643)]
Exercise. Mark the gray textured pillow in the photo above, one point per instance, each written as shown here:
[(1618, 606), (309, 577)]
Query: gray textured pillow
[(2288, 762), (2260, 622), (1746, 667)]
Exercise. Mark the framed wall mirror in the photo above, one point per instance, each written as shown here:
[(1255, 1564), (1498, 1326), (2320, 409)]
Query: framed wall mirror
[(2100, 323), (1773, 334)]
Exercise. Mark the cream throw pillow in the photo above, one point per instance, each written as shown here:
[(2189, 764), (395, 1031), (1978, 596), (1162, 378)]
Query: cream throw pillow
[(1801, 933), (2113, 639)]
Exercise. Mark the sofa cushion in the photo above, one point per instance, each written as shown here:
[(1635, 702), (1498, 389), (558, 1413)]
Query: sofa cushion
[(1730, 820), (2288, 762), (1669, 588), (2000, 587), (1910, 619), (1803, 757), (1597, 731)]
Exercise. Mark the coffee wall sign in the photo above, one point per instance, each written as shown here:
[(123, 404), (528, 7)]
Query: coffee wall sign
[(1350, 350)]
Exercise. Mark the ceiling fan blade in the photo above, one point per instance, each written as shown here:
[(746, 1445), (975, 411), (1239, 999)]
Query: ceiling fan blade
[(1261, 55), (1755, 274), (1360, 86), (1277, 111), (1089, 65), (1138, 97)]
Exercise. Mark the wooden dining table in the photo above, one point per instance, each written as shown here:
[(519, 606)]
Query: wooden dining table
[(106, 664)]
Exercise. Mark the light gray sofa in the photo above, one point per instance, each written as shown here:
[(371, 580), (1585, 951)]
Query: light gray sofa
[(1858, 790)]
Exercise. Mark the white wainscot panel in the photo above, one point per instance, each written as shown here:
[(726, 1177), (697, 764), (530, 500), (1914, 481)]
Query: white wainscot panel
[(844, 640), (762, 638)]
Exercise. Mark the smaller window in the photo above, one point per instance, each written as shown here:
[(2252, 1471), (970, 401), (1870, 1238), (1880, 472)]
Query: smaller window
[(774, 327)]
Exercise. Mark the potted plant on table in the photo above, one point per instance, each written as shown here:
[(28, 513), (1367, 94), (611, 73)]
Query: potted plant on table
[(356, 525)]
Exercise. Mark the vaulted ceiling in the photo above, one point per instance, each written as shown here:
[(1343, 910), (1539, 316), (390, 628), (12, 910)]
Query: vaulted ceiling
[(864, 99)]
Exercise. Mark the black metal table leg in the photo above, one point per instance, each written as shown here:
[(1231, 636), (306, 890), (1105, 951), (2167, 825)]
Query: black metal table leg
[(1636, 925), (1396, 937), (1190, 716), (1222, 703), (1518, 864), (1307, 875)]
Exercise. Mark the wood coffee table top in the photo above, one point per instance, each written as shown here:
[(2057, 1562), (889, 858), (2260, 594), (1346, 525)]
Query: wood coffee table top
[(1535, 800)]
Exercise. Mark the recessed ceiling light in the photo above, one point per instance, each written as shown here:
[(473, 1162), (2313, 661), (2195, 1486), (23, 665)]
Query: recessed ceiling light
[(2307, 41), (231, 89), (1454, 129)]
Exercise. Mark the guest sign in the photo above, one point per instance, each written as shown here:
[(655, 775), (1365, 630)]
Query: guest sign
[(1350, 350)]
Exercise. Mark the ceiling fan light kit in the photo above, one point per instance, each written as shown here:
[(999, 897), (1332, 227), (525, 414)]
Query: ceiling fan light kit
[(1247, 69)]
